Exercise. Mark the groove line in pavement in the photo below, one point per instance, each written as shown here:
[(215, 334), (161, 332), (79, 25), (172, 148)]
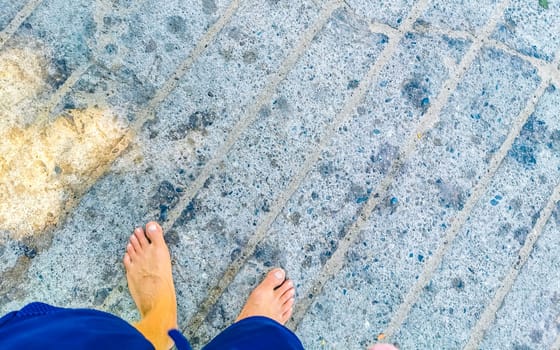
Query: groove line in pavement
[(489, 314)]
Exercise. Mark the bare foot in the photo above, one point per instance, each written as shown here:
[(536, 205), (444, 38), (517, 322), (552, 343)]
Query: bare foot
[(273, 298), (148, 271), (383, 347)]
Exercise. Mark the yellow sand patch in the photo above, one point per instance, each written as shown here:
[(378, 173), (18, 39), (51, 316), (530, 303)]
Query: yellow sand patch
[(21, 78), (44, 169)]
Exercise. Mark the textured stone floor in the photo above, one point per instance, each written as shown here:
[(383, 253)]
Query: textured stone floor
[(400, 159)]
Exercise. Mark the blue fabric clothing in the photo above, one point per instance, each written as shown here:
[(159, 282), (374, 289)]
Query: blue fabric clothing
[(255, 333), (42, 326)]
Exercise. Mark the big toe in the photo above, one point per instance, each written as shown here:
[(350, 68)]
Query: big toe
[(155, 233), (274, 278)]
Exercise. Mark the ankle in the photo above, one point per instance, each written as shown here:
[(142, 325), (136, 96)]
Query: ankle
[(155, 331)]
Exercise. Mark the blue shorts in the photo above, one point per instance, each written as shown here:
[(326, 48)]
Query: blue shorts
[(42, 326)]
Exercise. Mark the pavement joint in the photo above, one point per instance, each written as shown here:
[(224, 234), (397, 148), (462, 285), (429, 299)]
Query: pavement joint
[(556, 344), (16, 22), (546, 69), (173, 81), (486, 319), (461, 218), (58, 95), (452, 69), (335, 263), (244, 123), (148, 112), (233, 269)]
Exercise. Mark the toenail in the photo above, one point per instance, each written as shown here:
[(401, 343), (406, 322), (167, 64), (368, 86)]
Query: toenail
[(152, 228), (279, 275)]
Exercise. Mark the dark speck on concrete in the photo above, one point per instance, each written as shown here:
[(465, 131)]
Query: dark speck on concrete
[(357, 194), (526, 146), (518, 346), (265, 206), (383, 39), (101, 295), (198, 121), (59, 74), (176, 25), (352, 84), (295, 218), (458, 283), (281, 103), (324, 256), (111, 49), (150, 46), (268, 255), (27, 250), (166, 197), (188, 214), (208, 181), (536, 335), (264, 112), (450, 196), (556, 214), (90, 28), (163, 211), (172, 238), (430, 287), (417, 92), (307, 262), (249, 57), (496, 200), (209, 6), (521, 234), (326, 168), (27, 25), (523, 154), (383, 157), (234, 254)]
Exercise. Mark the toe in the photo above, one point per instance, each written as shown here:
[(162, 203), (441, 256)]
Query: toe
[(127, 261), (131, 251), (155, 233), (287, 285), (274, 279), (135, 244), (139, 233), (288, 305), (289, 294), (287, 309)]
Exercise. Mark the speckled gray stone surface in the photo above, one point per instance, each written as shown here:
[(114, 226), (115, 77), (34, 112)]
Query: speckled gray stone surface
[(396, 158), (9, 11), (533, 304)]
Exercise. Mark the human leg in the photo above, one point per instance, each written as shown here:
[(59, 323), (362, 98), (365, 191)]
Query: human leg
[(148, 271), (260, 324)]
